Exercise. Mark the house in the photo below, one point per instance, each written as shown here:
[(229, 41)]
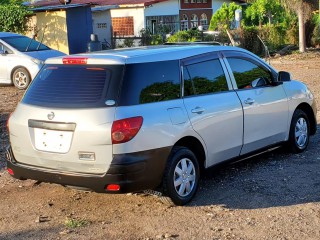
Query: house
[(126, 18), (194, 13), (66, 28), (160, 16)]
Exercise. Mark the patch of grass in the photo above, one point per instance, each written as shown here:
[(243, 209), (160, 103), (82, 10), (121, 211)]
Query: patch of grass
[(75, 223)]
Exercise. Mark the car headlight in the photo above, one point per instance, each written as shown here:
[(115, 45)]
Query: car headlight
[(37, 61)]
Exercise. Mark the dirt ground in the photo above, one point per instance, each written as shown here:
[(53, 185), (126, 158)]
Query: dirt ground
[(272, 196)]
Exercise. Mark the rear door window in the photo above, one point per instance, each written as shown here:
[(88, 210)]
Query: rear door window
[(150, 82), (204, 78), (76, 86)]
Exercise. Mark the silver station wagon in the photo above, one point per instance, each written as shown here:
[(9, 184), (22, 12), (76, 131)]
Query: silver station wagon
[(151, 118)]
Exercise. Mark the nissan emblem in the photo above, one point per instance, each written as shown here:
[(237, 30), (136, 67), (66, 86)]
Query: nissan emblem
[(51, 116)]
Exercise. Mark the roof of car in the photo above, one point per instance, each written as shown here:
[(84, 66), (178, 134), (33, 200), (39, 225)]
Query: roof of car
[(144, 54), (8, 34), (215, 43)]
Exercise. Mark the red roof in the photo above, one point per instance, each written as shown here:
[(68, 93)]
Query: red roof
[(44, 3)]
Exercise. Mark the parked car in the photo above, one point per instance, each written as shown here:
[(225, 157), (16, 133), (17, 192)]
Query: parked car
[(151, 118), (21, 58)]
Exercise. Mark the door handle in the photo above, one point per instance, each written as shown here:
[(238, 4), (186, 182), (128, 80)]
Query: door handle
[(197, 110), (249, 101)]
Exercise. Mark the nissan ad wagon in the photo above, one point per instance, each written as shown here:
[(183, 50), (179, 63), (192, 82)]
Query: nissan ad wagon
[(152, 117)]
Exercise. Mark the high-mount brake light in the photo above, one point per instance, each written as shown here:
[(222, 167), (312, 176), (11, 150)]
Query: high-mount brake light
[(73, 60), (124, 130)]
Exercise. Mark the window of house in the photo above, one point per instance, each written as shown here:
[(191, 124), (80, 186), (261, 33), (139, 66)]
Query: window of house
[(123, 26), (203, 20), (194, 21), (193, 1), (199, 1), (248, 74), (186, 1), (184, 22), (101, 25), (204, 78), (204, 1)]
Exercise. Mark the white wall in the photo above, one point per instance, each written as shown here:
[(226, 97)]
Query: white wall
[(102, 17), (136, 13), (163, 8), (216, 4)]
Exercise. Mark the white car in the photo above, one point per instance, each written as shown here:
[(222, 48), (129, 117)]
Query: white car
[(150, 118), (21, 58)]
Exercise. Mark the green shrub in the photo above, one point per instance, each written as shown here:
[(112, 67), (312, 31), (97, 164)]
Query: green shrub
[(223, 17), (250, 41), (149, 39), (156, 40), (273, 36), (191, 35), (315, 39), (13, 17), (128, 42), (316, 36)]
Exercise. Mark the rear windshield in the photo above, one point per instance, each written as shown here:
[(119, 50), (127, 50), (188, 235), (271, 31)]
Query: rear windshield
[(74, 86), (25, 44)]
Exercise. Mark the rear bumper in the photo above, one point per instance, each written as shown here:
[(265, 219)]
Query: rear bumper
[(132, 172)]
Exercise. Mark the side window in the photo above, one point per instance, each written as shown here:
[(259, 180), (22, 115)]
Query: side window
[(5, 49), (204, 78), (150, 82), (248, 74)]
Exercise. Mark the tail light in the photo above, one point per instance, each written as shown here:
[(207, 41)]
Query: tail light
[(125, 129)]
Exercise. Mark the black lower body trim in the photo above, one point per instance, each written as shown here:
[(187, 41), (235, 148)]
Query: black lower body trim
[(132, 172)]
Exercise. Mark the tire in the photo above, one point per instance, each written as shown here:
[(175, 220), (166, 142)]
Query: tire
[(21, 78), (181, 176), (299, 132)]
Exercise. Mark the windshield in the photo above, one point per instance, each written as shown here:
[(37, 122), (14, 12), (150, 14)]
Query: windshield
[(25, 44)]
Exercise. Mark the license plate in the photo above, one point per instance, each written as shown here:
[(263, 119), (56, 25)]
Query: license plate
[(52, 140)]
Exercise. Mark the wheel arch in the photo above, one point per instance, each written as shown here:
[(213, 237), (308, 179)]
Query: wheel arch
[(196, 147), (15, 68), (309, 111)]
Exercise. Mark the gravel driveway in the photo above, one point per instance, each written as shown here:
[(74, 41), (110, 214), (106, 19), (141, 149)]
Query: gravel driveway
[(271, 196)]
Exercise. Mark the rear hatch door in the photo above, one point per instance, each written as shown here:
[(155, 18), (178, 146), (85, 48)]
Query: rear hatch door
[(64, 120)]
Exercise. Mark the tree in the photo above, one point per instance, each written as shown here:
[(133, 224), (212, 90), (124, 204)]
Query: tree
[(261, 9), (224, 17), (303, 9), (12, 16)]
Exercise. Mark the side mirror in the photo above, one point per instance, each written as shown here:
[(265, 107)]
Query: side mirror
[(284, 76)]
